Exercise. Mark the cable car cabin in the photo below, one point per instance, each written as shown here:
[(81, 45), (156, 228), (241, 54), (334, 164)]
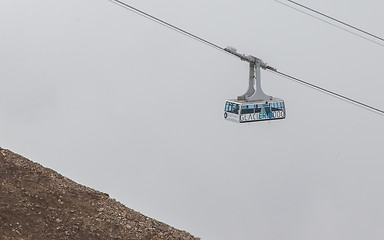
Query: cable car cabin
[(251, 111)]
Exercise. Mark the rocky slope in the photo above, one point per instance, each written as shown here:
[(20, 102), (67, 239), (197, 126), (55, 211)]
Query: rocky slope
[(38, 203)]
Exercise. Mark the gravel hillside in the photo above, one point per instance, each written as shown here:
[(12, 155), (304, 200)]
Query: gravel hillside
[(38, 203)]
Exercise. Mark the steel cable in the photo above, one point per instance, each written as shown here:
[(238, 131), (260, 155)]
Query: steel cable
[(334, 19)]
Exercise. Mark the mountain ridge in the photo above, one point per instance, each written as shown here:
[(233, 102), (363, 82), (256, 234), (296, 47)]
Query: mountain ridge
[(39, 203)]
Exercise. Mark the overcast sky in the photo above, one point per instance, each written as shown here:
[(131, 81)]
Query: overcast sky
[(121, 104)]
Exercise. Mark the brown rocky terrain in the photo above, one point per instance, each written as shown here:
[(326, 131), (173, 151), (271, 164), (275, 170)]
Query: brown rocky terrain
[(38, 203)]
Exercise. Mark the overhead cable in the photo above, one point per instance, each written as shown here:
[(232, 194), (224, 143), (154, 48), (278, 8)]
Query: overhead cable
[(329, 92), (182, 31), (166, 24), (333, 19)]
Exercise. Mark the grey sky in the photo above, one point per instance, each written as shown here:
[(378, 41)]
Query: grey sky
[(131, 108)]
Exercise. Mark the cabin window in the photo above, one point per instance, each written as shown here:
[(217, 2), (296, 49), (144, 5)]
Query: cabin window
[(232, 107), (247, 109)]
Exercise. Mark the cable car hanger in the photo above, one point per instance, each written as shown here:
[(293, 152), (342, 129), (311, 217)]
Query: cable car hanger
[(272, 109)]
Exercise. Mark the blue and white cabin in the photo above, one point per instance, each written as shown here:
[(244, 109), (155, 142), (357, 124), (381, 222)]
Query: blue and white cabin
[(251, 111)]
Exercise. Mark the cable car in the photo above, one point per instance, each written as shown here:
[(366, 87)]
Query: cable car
[(254, 105)]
